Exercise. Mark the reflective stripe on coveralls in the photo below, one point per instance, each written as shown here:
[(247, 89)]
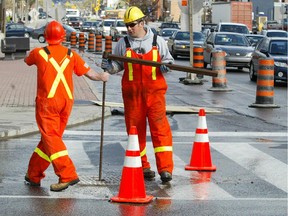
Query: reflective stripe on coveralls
[(60, 74), (155, 56), (158, 149), (52, 157), (143, 91)]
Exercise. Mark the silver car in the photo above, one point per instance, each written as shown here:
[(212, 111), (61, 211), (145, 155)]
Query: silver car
[(236, 46), (179, 42)]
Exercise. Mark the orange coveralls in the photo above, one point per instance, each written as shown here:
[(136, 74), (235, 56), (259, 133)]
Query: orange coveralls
[(143, 92), (54, 101)]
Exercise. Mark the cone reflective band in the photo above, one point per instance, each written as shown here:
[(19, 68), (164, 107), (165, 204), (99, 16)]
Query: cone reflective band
[(132, 158), (200, 157), (132, 186)]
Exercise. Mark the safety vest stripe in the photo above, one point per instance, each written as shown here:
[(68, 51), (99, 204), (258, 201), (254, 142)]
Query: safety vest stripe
[(58, 154), (60, 76), (130, 67), (162, 149), (155, 56), (42, 155), (143, 152), (44, 55)]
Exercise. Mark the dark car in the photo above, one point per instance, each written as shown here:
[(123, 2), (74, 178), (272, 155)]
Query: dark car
[(17, 30), (75, 22), (275, 48), (39, 33), (236, 46), (179, 42), (168, 25)]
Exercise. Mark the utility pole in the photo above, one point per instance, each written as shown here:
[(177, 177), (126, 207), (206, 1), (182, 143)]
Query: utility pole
[(3, 16)]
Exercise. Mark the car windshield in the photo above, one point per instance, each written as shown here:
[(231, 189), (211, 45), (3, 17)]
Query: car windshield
[(74, 18), (87, 24), (234, 28), (198, 36), (167, 32), (277, 34), (183, 36), (279, 47), (231, 40), (108, 23), (120, 24), (169, 25)]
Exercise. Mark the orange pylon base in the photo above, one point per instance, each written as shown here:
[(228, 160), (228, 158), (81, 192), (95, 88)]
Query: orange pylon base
[(212, 168), (146, 199)]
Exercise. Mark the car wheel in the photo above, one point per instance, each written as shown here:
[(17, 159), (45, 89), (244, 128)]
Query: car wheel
[(41, 39), (240, 68), (27, 35), (252, 75), (174, 53)]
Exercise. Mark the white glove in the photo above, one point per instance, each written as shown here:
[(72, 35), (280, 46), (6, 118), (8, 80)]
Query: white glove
[(164, 69)]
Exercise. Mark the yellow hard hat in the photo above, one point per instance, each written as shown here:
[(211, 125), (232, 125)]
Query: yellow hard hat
[(132, 14)]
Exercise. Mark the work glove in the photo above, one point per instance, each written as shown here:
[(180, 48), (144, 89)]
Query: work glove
[(106, 63), (164, 69)]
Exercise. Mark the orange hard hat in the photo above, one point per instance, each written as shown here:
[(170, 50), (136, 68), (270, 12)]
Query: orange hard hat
[(54, 33)]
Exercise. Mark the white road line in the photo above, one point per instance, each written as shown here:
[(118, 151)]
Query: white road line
[(182, 134), (104, 199), (205, 190), (256, 161)]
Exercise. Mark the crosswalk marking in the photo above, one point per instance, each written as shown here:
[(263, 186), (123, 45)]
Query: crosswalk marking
[(185, 185), (256, 161), (183, 134)]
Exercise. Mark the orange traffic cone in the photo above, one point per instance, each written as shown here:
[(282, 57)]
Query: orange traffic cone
[(132, 186), (201, 158)]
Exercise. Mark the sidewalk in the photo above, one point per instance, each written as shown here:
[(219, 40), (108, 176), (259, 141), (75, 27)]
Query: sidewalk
[(17, 95)]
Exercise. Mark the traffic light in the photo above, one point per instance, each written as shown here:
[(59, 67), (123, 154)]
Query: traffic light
[(286, 9)]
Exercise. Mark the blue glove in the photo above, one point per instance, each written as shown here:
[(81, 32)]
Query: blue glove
[(164, 69), (106, 63)]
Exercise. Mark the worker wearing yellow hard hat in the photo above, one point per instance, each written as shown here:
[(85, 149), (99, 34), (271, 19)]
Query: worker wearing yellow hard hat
[(133, 14)]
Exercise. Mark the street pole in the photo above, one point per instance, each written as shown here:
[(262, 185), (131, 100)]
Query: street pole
[(3, 16)]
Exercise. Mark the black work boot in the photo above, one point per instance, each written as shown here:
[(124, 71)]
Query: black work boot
[(148, 174), (31, 183), (165, 176)]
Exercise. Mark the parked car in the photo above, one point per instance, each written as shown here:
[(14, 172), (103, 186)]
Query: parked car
[(168, 25), (75, 22), (17, 30), (274, 33), (254, 38), (39, 33), (105, 26), (275, 48), (118, 29), (237, 47), (167, 32), (232, 27), (179, 42)]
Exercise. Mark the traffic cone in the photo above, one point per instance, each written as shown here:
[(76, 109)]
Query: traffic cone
[(132, 186), (200, 157)]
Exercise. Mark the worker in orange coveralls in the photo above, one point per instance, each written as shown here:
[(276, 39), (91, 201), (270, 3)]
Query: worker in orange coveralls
[(55, 65), (143, 90)]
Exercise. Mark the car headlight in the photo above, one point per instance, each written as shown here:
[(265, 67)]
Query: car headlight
[(249, 55), (280, 64), (182, 46)]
